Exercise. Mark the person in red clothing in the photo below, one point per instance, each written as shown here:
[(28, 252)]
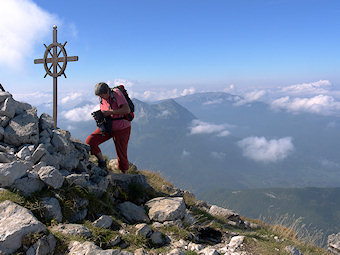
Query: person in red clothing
[(114, 104)]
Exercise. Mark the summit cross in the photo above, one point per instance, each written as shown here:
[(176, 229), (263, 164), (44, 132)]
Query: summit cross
[(54, 60)]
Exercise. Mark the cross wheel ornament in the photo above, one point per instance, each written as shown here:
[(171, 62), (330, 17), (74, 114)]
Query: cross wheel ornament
[(55, 59), (52, 60)]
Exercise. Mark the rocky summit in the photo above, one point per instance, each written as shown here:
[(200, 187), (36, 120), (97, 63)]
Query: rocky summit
[(54, 199)]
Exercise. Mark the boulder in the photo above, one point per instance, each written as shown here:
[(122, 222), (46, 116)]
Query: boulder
[(133, 213), (7, 158), (29, 184), (78, 179), (8, 108), (104, 221), (176, 252), (16, 222), (89, 248), (24, 153), (224, 213), (46, 122), (23, 129), (43, 246), (51, 176), (333, 243), (72, 229), (38, 153), (9, 172), (159, 239), (209, 251), (2, 132), (124, 180), (60, 141), (52, 209), (143, 230), (166, 208), (4, 95)]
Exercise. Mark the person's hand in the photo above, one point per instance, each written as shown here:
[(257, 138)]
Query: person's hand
[(106, 113)]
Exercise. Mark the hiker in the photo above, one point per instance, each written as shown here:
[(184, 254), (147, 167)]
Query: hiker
[(114, 104)]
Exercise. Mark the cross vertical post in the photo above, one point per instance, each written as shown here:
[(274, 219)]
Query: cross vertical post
[(54, 61), (55, 97)]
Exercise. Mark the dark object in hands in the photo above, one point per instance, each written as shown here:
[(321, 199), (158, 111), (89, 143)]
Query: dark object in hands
[(104, 123)]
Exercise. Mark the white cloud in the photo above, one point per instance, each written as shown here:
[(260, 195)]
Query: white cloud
[(218, 155), (229, 89), (161, 94), (216, 101), (117, 82), (318, 87), (321, 104), (81, 113), (186, 92), (22, 25), (201, 127), (263, 150), (185, 153), (71, 97), (164, 114), (34, 98), (251, 97)]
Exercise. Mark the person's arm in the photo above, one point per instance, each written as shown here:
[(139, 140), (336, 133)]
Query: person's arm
[(124, 109)]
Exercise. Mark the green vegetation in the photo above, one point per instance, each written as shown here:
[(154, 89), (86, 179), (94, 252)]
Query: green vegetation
[(317, 209)]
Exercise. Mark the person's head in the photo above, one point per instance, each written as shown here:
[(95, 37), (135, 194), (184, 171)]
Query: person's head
[(102, 90)]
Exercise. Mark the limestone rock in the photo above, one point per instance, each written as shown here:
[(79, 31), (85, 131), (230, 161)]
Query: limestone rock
[(104, 221), (166, 208), (88, 248), (224, 213), (16, 222), (8, 108), (143, 230), (6, 157), (209, 251), (333, 243), (29, 184), (176, 252), (4, 95), (38, 153), (51, 176), (24, 153), (23, 129), (52, 209), (78, 179), (9, 172), (133, 213), (159, 239), (124, 180), (2, 132), (44, 246), (46, 121), (72, 229)]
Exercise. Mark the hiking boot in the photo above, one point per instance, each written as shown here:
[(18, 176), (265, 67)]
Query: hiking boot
[(102, 164)]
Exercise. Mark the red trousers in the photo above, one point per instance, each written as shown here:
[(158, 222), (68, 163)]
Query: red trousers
[(120, 139)]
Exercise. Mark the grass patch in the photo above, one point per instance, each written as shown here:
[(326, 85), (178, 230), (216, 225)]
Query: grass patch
[(157, 182)]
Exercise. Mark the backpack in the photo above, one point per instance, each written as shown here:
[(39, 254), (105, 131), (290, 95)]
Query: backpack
[(129, 116)]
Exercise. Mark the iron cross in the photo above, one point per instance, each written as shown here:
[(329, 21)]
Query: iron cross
[(54, 60)]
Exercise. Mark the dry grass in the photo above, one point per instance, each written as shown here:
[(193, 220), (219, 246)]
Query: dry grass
[(158, 182), (293, 228)]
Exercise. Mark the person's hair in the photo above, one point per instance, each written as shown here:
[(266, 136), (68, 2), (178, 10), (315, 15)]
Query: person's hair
[(101, 88)]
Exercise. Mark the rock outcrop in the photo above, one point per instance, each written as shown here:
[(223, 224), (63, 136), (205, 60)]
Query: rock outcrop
[(49, 172)]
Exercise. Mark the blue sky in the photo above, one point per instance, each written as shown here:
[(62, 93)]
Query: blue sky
[(176, 47)]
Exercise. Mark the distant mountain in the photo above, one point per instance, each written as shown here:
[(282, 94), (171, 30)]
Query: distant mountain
[(318, 207), (194, 142)]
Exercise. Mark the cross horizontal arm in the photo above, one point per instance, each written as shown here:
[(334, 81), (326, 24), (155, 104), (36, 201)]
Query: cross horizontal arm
[(49, 60)]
